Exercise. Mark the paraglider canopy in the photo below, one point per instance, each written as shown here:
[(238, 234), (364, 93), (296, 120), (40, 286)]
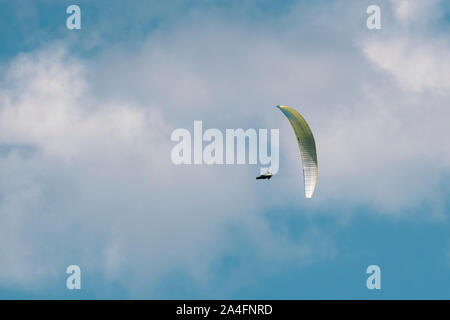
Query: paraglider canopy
[(307, 146)]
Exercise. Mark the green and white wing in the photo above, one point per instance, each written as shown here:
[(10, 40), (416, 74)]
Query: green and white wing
[(307, 146)]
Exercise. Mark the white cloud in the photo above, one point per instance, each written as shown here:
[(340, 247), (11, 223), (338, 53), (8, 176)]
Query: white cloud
[(88, 181), (417, 64), (414, 48), (415, 11)]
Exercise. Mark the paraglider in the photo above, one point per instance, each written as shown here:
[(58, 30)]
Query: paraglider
[(307, 146), (266, 175)]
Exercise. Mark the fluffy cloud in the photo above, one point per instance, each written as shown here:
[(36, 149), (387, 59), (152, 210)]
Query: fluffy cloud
[(416, 55), (88, 180), (415, 11), (408, 110), (416, 66)]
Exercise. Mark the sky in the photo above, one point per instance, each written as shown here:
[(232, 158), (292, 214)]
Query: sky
[(86, 176)]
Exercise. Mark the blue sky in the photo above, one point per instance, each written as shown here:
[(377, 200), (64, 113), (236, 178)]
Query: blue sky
[(86, 176)]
